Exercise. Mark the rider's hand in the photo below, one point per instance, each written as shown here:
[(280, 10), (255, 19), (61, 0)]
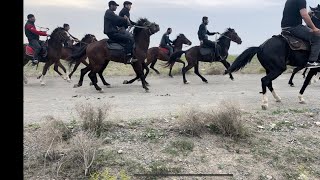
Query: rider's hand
[(76, 40), (316, 31)]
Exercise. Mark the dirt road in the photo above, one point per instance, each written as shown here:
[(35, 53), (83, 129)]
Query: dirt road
[(168, 96)]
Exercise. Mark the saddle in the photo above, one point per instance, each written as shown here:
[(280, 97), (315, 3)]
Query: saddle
[(295, 43), (164, 50), (209, 53), (113, 45), (42, 54)]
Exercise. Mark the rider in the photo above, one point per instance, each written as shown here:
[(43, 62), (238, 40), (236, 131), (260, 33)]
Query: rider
[(125, 12), (33, 37), (293, 13), (66, 27), (203, 33), (166, 42), (112, 22)]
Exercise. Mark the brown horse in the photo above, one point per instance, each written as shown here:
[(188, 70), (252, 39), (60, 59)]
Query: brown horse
[(193, 55), (100, 55), (67, 52), (156, 53), (57, 38)]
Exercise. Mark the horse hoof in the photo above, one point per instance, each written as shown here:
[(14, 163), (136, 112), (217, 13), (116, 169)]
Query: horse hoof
[(264, 106), (125, 82), (171, 76), (278, 100), (69, 80), (42, 84), (291, 85), (108, 86), (302, 102), (147, 90), (100, 91), (90, 84), (39, 77), (205, 82), (76, 86), (187, 82)]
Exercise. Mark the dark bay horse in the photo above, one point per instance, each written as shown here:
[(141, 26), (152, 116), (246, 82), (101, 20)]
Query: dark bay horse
[(274, 55), (156, 53), (99, 55), (193, 55), (67, 52), (315, 17), (57, 38)]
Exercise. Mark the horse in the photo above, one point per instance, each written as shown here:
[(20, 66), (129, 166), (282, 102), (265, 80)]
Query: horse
[(57, 37), (100, 55), (274, 55), (315, 17), (156, 53), (68, 51), (193, 55)]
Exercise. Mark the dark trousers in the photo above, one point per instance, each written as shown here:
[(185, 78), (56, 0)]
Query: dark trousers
[(123, 37), (36, 45), (209, 43), (304, 33), (170, 48)]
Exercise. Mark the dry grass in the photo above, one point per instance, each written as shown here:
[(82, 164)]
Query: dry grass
[(226, 120), (93, 118)]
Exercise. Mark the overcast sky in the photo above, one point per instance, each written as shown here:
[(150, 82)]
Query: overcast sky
[(253, 20)]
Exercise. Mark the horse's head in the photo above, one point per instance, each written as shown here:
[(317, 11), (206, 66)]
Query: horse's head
[(232, 35), (144, 25), (316, 11), (89, 38), (182, 39), (59, 35)]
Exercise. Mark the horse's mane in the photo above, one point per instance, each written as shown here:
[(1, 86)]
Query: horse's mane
[(140, 22), (56, 30), (225, 32), (86, 36), (174, 41)]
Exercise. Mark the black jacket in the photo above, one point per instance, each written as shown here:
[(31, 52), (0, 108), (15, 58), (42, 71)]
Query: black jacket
[(165, 40), (203, 32), (125, 12), (111, 21)]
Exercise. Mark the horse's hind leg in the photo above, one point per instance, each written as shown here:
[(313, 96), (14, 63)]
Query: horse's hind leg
[(306, 82), (196, 71), (295, 70), (93, 76), (171, 66), (65, 77), (101, 74), (152, 65), (267, 82), (83, 72), (184, 71)]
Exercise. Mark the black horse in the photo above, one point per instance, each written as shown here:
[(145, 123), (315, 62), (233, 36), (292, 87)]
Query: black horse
[(274, 55), (315, 17)]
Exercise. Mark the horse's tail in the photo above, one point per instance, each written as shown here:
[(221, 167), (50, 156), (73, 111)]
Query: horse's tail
[(243, 59), (174, 57), (78, 54)]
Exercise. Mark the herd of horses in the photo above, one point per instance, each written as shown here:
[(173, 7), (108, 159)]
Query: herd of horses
[(272, 55)]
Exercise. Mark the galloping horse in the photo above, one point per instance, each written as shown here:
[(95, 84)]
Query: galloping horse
[(100, 55), (193, 55), (315, 17), (274, 55), (67, 52), (156, 53), (57, 38)]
